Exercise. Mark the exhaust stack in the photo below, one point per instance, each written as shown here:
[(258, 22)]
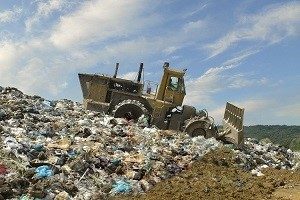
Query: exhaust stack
[(140, 72), (166, 65), (116, 71)]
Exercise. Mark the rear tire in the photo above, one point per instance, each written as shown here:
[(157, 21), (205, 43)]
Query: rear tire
[(196, 127), (130, 110)]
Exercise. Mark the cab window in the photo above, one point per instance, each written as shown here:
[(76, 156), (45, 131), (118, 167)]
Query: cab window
[(173, 83)]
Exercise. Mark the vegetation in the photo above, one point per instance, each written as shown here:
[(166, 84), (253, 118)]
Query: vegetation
[(295, 144), (288, 136)]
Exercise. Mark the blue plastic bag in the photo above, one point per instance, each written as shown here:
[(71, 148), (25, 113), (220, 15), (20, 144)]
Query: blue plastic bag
[(122, 187), (43, 171)]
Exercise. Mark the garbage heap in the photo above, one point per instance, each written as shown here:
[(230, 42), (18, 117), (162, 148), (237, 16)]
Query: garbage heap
[(52, 148), (258, 155), (58, 150)]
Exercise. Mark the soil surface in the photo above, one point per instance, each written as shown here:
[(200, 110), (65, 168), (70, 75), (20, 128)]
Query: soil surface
[(292, 193), (216, 177)]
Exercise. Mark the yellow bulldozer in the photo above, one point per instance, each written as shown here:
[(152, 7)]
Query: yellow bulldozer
[(163, 107)]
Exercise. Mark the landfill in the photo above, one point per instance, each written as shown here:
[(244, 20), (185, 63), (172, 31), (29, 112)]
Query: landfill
[(58, 150)]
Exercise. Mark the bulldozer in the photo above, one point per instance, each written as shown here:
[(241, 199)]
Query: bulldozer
[(163, 107)]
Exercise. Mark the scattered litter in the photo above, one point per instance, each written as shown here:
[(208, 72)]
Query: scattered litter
[(121, 187), (3, 170), (58, 150), (256, 172), (43, 172), (259, 155)]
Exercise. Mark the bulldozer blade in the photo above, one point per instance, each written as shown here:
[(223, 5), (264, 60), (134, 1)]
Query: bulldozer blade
[(84, 80), (233, 128)]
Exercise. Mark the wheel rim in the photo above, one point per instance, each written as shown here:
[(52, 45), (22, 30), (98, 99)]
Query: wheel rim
[(197, 132), (129, 112), (196, 128)]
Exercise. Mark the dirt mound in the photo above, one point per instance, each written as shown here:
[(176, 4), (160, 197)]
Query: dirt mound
[(217, 177)]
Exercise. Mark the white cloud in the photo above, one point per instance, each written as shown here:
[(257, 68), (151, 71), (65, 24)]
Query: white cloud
[(38, 55), (198, 9), (10, 15), (194, 26), (271, 26), (202, 88), (238, 58), (217, 114), (253, 105), (44, 9), (169, 50), (253, 108), (97, 21), (26, 68), (36, 76), (7, 55), (242, 81)]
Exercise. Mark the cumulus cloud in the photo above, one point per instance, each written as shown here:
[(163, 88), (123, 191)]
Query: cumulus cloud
[(141, 48), (44, 9), (25, 67), (88, 37), (97, 21), (270, 26), (65, 48), (36, 76), (11, 15), (202, 88), (40, 54)]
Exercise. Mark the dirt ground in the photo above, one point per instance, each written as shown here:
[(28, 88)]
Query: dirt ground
[(215, 177)]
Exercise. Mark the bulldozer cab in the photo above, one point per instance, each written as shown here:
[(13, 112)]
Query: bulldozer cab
[(172, 88)]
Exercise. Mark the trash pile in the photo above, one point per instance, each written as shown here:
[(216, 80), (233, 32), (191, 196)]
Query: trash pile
[(216, 176), (257, 155), (58, 150)]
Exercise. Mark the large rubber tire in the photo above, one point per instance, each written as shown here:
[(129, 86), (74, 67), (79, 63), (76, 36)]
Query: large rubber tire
[(129, 109), (196, 127), (188, 112)]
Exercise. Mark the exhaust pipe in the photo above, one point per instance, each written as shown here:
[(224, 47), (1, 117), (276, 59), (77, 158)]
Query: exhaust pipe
[(116, 70), (140, 72), (166, 65)]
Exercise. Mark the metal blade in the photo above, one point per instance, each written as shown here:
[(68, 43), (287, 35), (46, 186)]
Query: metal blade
[(233, 128)]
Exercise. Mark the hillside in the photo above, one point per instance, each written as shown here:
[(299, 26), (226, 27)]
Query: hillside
[(279, 134)]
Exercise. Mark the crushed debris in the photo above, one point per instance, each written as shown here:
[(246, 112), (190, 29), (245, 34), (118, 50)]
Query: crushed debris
[(58, 150), (210, 179)]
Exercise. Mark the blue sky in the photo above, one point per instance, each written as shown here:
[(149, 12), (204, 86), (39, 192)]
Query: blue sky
[(246, 52)]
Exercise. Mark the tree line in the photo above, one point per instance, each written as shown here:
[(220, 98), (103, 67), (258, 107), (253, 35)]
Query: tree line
[(288, 136)]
